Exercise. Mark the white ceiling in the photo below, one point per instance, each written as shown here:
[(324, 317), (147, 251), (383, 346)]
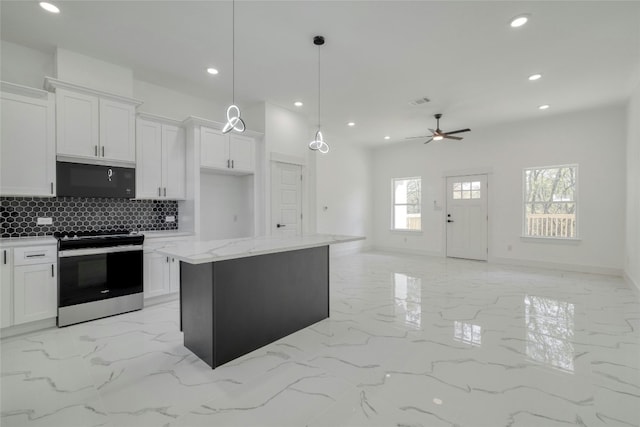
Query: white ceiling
[(378, 56)]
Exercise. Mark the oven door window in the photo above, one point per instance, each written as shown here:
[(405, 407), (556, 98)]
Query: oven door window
[(89, 278)]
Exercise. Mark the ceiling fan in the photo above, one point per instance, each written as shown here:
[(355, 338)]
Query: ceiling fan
[(437, 135)]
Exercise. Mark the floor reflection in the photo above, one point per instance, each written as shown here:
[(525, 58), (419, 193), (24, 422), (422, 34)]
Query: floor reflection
[(408, 297), (467, 333), (550, 331)]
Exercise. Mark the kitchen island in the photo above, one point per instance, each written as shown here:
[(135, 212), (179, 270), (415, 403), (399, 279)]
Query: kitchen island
[(238, 295)]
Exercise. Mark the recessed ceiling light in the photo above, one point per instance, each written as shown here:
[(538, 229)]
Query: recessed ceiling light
[(351, 124), (534, 77), (519, 21), (543, 107), (212, 71), (49, 7), (387, 137), (298, 104)]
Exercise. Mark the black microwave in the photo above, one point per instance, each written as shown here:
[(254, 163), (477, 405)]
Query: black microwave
[(83, 180)]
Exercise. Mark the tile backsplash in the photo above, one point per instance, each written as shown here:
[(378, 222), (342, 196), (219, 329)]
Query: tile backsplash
[(18, 215)]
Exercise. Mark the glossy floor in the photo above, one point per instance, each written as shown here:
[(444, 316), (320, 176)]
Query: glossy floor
[(412, 341)]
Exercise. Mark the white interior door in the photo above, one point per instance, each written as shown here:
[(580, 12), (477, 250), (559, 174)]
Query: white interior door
[(467, 217), (286, 199)]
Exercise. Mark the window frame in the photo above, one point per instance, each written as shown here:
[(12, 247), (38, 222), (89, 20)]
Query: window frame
[(575, 200), (394, 204)]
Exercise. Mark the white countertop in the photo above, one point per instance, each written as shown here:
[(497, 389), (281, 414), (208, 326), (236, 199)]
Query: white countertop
[(13, 242), (201, 252)]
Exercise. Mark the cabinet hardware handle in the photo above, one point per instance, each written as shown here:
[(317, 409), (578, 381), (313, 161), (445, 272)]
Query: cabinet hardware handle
[(232, 165), (52, 188), (96, 150), (5, 257), (159, 192), (165, 191), (228, 164), (35, 255), (103, 151), (52, 271), (167, 259), (281, 225)]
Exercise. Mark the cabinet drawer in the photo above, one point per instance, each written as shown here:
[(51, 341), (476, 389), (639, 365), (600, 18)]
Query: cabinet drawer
[(35, 255)]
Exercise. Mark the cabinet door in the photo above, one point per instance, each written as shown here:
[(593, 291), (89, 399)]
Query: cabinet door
[(77, 122), (35, 293), (174, 161), (174, 275), (6, 288), (117, 131), (214, 149), (156, 277), (27, 152), (148, 159), (241, 153)]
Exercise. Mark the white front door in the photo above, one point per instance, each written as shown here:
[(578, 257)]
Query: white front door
[(467, 217), (286, 199)]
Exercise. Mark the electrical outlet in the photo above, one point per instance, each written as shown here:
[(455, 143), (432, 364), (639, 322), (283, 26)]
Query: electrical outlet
[(170, 218), (45, 221)]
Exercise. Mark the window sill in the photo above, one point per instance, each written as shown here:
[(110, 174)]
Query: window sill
[(394, 230), (552, 240)]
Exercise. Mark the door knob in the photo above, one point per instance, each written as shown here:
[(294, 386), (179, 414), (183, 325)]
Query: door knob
[(281, 225)]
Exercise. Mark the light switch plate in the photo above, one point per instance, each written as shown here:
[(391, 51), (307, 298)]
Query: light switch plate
[(170, 218), (45, 221)]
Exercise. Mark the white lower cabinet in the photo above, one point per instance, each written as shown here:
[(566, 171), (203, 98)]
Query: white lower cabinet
[(6, 288), (35, 292), (161, 275)]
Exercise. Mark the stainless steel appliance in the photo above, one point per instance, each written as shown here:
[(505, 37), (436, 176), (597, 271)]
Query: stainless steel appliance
[(99, 275), (82, 180)]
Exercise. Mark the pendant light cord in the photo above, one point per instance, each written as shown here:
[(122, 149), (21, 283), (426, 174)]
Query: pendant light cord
[(318, 87), (233, 50)]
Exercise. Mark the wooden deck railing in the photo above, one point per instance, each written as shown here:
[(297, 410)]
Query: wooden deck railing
[(551, 225)]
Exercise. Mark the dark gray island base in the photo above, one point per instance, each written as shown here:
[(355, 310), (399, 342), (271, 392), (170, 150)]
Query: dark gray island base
[(229, 308)]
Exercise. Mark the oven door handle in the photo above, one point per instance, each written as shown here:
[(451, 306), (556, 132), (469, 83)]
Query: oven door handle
[(98, 251)]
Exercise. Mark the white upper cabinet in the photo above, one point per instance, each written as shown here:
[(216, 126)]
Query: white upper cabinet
[(161, 159), (241, 153), (93, 126), (27, 142), (117, 130), (214, 149), (231, 153)]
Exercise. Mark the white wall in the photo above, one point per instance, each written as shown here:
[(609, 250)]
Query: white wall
[(24, 66), (632, 244), (593, 139), (286, 136), (174, 104), (344, 194), (226, 206)]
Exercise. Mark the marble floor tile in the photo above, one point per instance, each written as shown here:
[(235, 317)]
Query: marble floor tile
[(411, 341)]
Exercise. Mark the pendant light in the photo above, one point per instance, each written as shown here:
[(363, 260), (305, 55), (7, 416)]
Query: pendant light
[(318, 143), (234, 122)]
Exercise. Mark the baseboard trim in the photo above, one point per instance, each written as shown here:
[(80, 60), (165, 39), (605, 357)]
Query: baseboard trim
[(346, 249), (161, 299), (558, 266), (630, 281), (407, 251), (27, 328)]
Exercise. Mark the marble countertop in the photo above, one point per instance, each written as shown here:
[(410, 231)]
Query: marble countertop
[(201, 252), (165, 234), (28, 241)]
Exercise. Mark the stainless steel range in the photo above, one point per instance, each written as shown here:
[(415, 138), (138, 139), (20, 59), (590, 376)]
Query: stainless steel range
[(100, 274)]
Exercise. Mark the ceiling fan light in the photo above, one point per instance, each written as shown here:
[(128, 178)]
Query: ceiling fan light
[(438, 137)]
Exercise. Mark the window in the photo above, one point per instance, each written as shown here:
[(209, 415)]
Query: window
[(550, 202), (407, 204), (466, 190)]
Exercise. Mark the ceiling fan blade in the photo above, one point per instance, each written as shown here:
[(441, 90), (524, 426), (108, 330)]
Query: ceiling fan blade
[(457, 138), (428, 140), (432, 131), (416, 137), (457, 131)]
